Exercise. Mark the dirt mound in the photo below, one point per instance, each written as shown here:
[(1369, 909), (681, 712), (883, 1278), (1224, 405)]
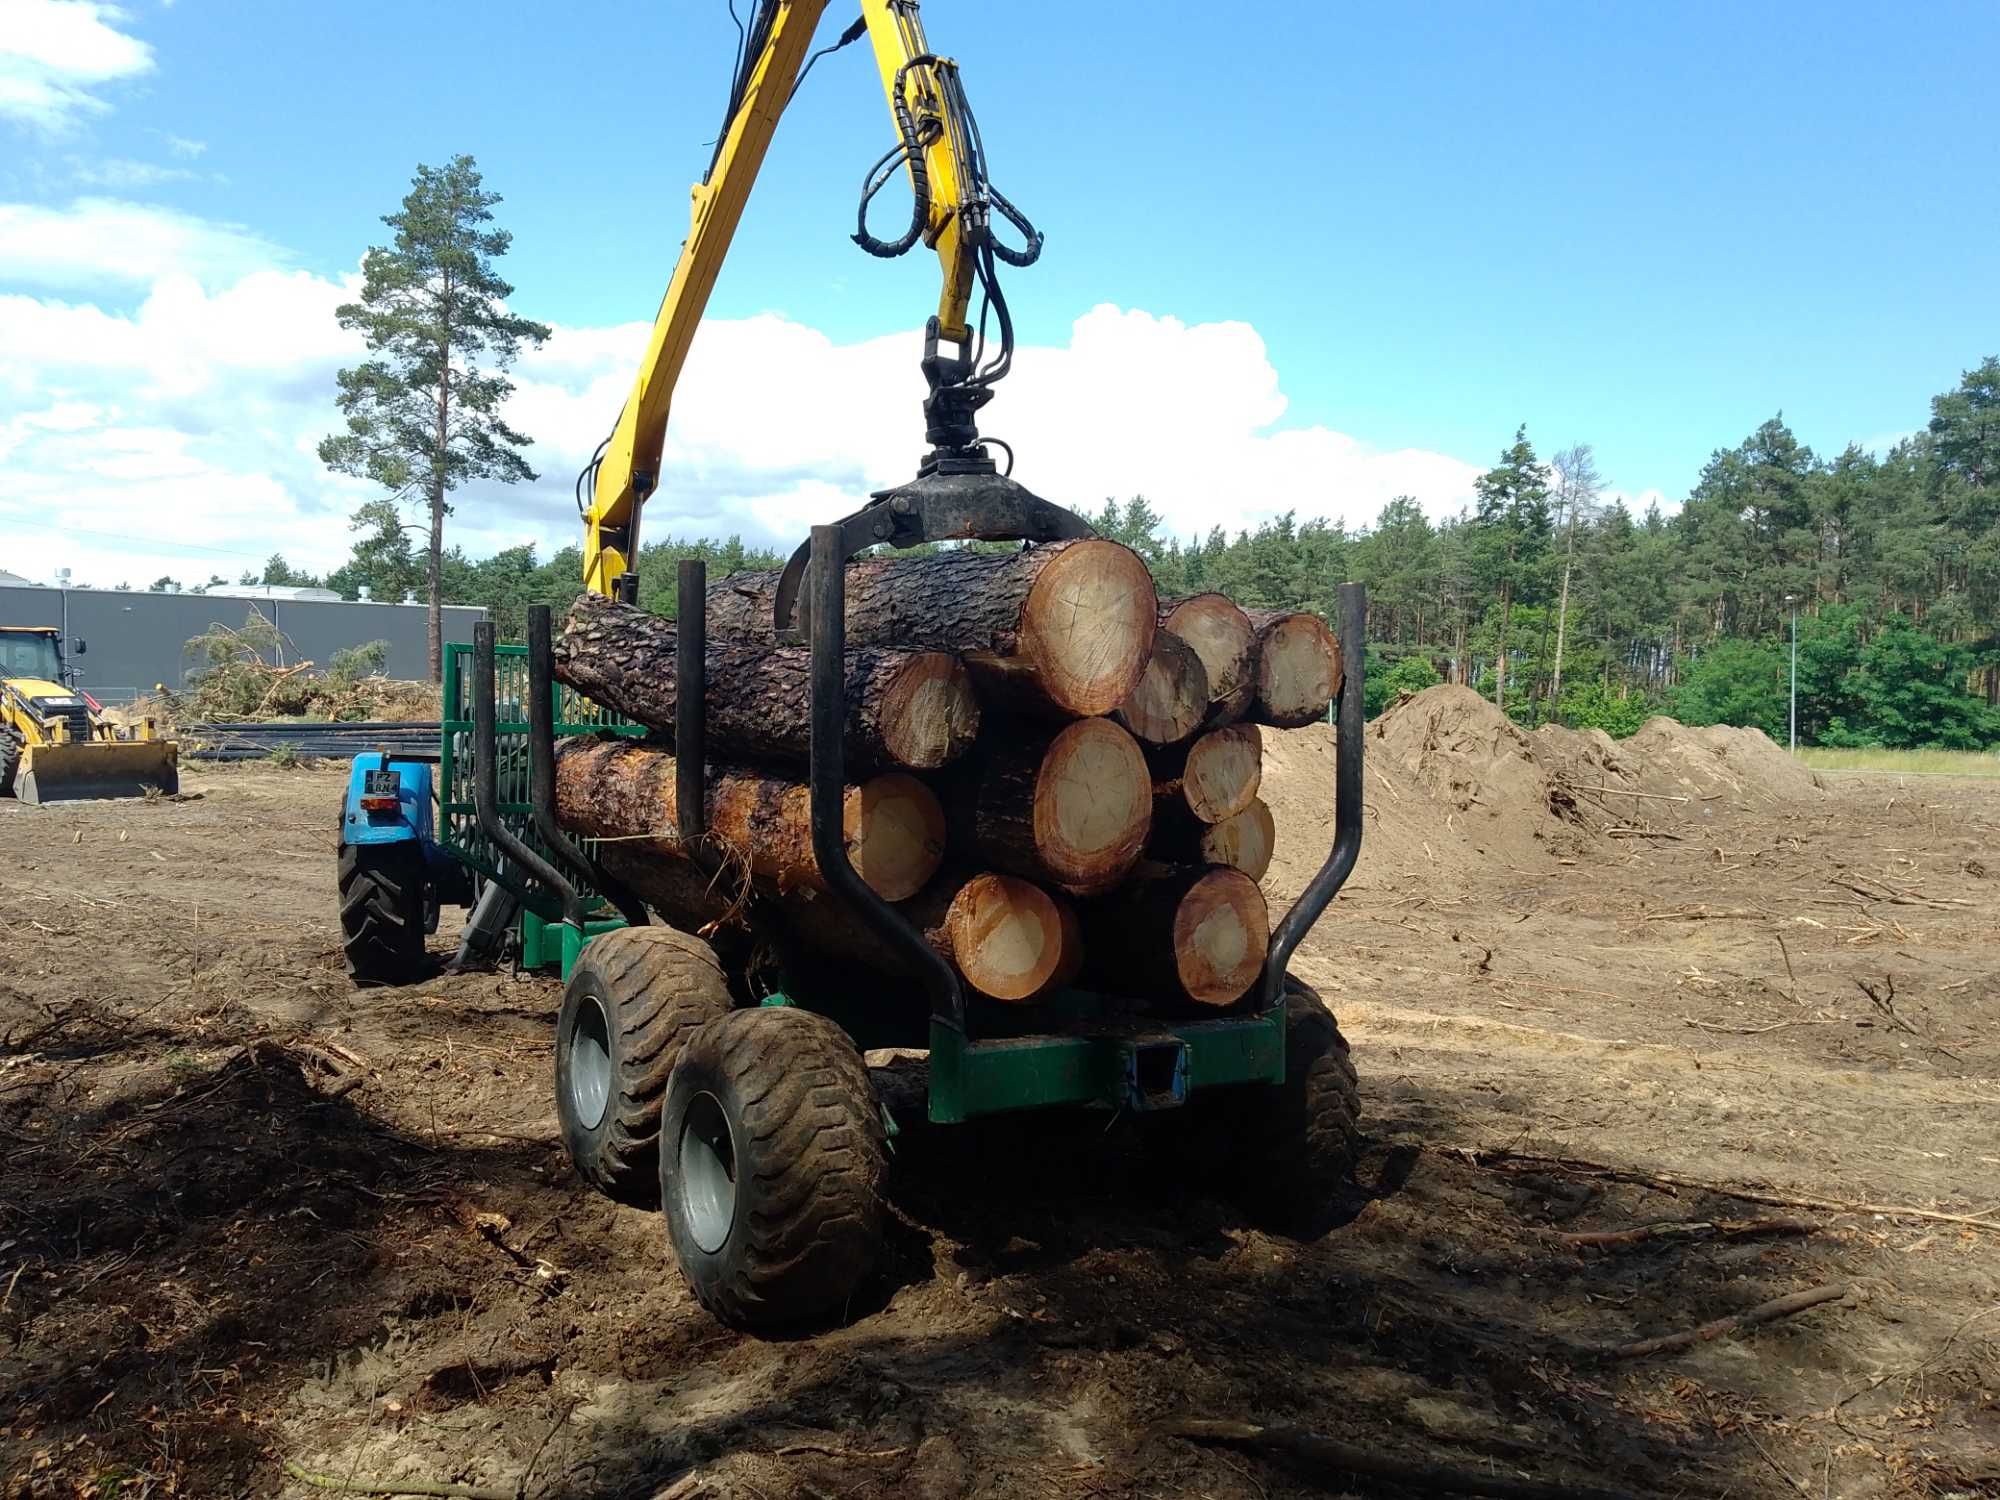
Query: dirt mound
[(1743, 766), (1454, 786)]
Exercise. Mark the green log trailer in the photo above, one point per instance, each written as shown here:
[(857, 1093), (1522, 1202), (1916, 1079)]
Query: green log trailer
[(740, 1102)]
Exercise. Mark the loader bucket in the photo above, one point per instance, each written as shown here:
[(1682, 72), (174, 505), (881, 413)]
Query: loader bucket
[(97, 768)]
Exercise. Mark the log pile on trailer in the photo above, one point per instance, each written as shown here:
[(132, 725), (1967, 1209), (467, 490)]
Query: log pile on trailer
[(1053, 772)]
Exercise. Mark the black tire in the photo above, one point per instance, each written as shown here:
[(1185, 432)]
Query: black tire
[(1298, 1141), (634, 997), (382, 913), (10, 759), (772, 1158)]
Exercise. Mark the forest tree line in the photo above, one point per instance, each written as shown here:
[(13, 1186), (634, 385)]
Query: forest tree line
[(1548, 597)]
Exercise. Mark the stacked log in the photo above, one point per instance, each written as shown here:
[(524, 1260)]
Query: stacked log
[(1063, 630), (1297, 674), (1055, 774), (904, 708), (1222, 637)]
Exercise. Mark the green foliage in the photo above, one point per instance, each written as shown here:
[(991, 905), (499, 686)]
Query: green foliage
[(1913, 687), (235, 673), (352, 663), (281, 574), (383, 561), (1735, 682), (1591, 705), (1387, 683)]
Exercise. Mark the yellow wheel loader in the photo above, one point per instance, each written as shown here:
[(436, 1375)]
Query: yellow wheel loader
[(56, 744)]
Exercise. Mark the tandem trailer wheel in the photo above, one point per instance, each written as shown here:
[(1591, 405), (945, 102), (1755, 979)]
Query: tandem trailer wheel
[(1299, 1140), (772, 1159), (634, 998)]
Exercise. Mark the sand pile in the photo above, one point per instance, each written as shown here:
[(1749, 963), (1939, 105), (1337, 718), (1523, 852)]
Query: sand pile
[(1452, 783), (1719, 762)]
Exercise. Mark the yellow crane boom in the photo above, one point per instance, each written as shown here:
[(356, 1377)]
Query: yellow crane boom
[(937, 146)]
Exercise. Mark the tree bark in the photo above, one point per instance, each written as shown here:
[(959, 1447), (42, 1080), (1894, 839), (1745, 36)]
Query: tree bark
[(1221, 636), (1244, 841), (1562, 616), (624, 790), (1213, 778), (1196, 935), (904, 708), (434, 572), (1065, 628), (1171, 699), (1071, 811), (1298, 668)]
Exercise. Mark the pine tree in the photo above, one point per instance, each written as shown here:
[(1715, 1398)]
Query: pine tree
[(423, 414)]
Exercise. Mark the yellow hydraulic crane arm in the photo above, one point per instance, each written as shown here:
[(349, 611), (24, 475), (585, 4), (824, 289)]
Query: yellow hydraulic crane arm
[(937, 145)]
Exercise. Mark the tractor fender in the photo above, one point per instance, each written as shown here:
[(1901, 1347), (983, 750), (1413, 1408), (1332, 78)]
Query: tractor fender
[(408, 821)]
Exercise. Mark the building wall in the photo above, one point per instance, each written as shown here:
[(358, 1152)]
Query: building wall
[(136, 640)]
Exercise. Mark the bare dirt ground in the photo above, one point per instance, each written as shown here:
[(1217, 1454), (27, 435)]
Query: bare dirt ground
[(252, 1217)]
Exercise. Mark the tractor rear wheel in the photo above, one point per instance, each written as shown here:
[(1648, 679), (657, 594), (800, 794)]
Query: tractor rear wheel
[(772, 1158), (634, 997), (1297, 1141), (382, 912)]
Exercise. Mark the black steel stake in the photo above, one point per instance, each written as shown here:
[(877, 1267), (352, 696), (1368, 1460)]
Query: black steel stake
[(826, 588), (691, 701), (1346, 802)]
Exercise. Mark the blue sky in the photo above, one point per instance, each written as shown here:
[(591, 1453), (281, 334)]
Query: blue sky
[(1647, 228)]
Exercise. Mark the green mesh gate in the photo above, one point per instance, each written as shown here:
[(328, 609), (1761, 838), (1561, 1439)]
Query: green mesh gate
[(458, 825)]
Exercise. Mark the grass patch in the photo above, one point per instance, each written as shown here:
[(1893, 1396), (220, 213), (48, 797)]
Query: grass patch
[(1906, 762)]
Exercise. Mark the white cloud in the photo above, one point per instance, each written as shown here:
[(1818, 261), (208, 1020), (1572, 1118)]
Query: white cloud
[(1133, 403), (53, 53), (123, 174), (180, 434), (186, 149), (95, 242)]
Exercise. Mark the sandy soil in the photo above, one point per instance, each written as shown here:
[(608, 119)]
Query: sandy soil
[(241, 1220)]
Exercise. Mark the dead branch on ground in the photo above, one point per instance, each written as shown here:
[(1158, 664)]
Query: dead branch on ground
[(1509, 1161), (1763, 1312), (1599, 1239)]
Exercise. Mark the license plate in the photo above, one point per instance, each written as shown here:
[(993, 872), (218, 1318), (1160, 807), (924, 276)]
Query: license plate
[(381, 784)]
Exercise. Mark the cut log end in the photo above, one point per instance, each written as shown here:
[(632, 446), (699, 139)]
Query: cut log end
[(1298, 670), (1244, 841), (930, 714), (1222, 637), (1009, 937), (1224, 769), (1088, 625), (1171, 699), (1220, 931), (1093, 805), (894, 827)]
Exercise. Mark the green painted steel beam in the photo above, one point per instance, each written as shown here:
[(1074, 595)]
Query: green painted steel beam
[(969, 1079)]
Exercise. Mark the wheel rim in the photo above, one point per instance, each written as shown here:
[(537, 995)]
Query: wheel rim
[(589, 1071), (707, 1177)]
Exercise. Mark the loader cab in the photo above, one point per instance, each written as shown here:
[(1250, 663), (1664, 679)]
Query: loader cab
[(30, 654)]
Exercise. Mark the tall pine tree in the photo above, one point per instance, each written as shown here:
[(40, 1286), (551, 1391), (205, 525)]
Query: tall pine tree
[(423, 413)]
